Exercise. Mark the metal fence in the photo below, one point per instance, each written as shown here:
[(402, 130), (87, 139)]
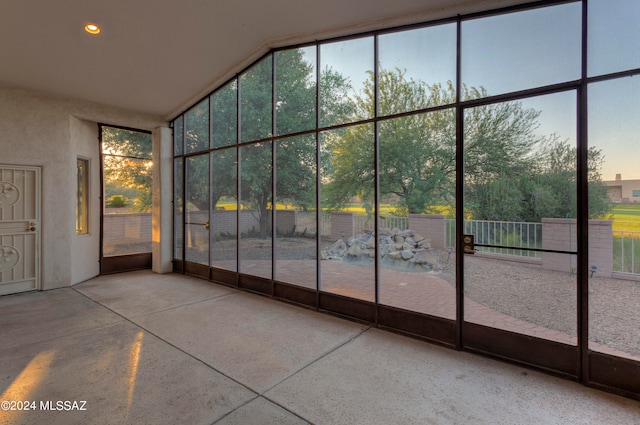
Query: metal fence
[(392, 222), (325, 225), (626, 252), (516, 235), (363, 223)]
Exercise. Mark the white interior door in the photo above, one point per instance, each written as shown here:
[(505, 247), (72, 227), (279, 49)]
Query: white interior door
[(19, 229)]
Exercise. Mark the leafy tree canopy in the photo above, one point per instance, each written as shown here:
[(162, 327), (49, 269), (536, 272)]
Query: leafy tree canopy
[(295, 111), (511, 172), (127, 165)]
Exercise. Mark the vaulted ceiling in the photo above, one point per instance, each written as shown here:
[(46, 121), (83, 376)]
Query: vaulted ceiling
[(159, 56)]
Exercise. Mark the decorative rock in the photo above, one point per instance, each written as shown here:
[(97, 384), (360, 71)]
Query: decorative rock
[(421, 257), (371, 243), (395, 255), (406, 254), (407, 233), (354, 251), (401, 250), (384, 250), (337, 249)]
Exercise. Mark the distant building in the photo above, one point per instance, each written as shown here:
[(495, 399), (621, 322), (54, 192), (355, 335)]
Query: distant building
[(623, 191)]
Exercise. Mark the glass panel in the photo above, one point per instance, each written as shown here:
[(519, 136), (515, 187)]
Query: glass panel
[(196, 121), (224, 216), (178, 136), (224, 116), (614, 234), (517, 51), (126, 143), (126, 157), (82, 197), (614, 36), (197, 202), (347, 186), (417, 69), (346, 81), (296, 224), (417, 213), (520, 193), (256, 203), (256, 96), (295, 90), (178, 207)]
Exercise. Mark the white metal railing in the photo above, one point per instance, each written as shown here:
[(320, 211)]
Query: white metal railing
[(363, 223), (514, 234), (626, 252), (392, 222), (325, 225), (518, 236)]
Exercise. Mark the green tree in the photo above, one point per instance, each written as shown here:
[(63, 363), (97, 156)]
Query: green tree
[(256, 193), (224, 132), (296, 171), (295, 111), (546, 189), (511, 171), (556, 172), (417, 152), (196, 128), (127, 165)]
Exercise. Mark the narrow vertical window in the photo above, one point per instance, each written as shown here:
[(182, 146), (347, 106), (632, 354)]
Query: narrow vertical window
[(82, 198)]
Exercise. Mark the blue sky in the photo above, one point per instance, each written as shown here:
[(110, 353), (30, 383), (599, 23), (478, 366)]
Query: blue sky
[(523, 50)]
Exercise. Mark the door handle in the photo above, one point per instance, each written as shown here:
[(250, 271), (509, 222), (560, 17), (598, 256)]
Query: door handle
[(32, 228), (468, 245), (206, 225)]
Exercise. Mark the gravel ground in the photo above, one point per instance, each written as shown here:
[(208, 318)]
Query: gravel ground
[(549, 298), (543, 297)]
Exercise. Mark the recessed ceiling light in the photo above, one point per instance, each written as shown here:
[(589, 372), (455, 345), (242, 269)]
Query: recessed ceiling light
[(92, 28)]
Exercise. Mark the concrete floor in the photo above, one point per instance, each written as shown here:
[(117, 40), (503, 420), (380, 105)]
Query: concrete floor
[(142, 348)]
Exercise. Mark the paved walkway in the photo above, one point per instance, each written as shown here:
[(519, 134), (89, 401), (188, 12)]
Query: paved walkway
[(421, 292)]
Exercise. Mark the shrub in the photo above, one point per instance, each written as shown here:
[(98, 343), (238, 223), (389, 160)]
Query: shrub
[(117, 201)]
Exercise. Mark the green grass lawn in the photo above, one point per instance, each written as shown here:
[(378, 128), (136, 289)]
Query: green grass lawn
[(626, 217)]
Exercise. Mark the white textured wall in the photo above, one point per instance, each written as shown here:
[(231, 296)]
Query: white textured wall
[(162, 236), (85, 250), (50, 132)]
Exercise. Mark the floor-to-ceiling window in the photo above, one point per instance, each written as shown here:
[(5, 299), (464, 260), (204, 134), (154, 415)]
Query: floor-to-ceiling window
[(470, 181), (613, 157), (126, 212)]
